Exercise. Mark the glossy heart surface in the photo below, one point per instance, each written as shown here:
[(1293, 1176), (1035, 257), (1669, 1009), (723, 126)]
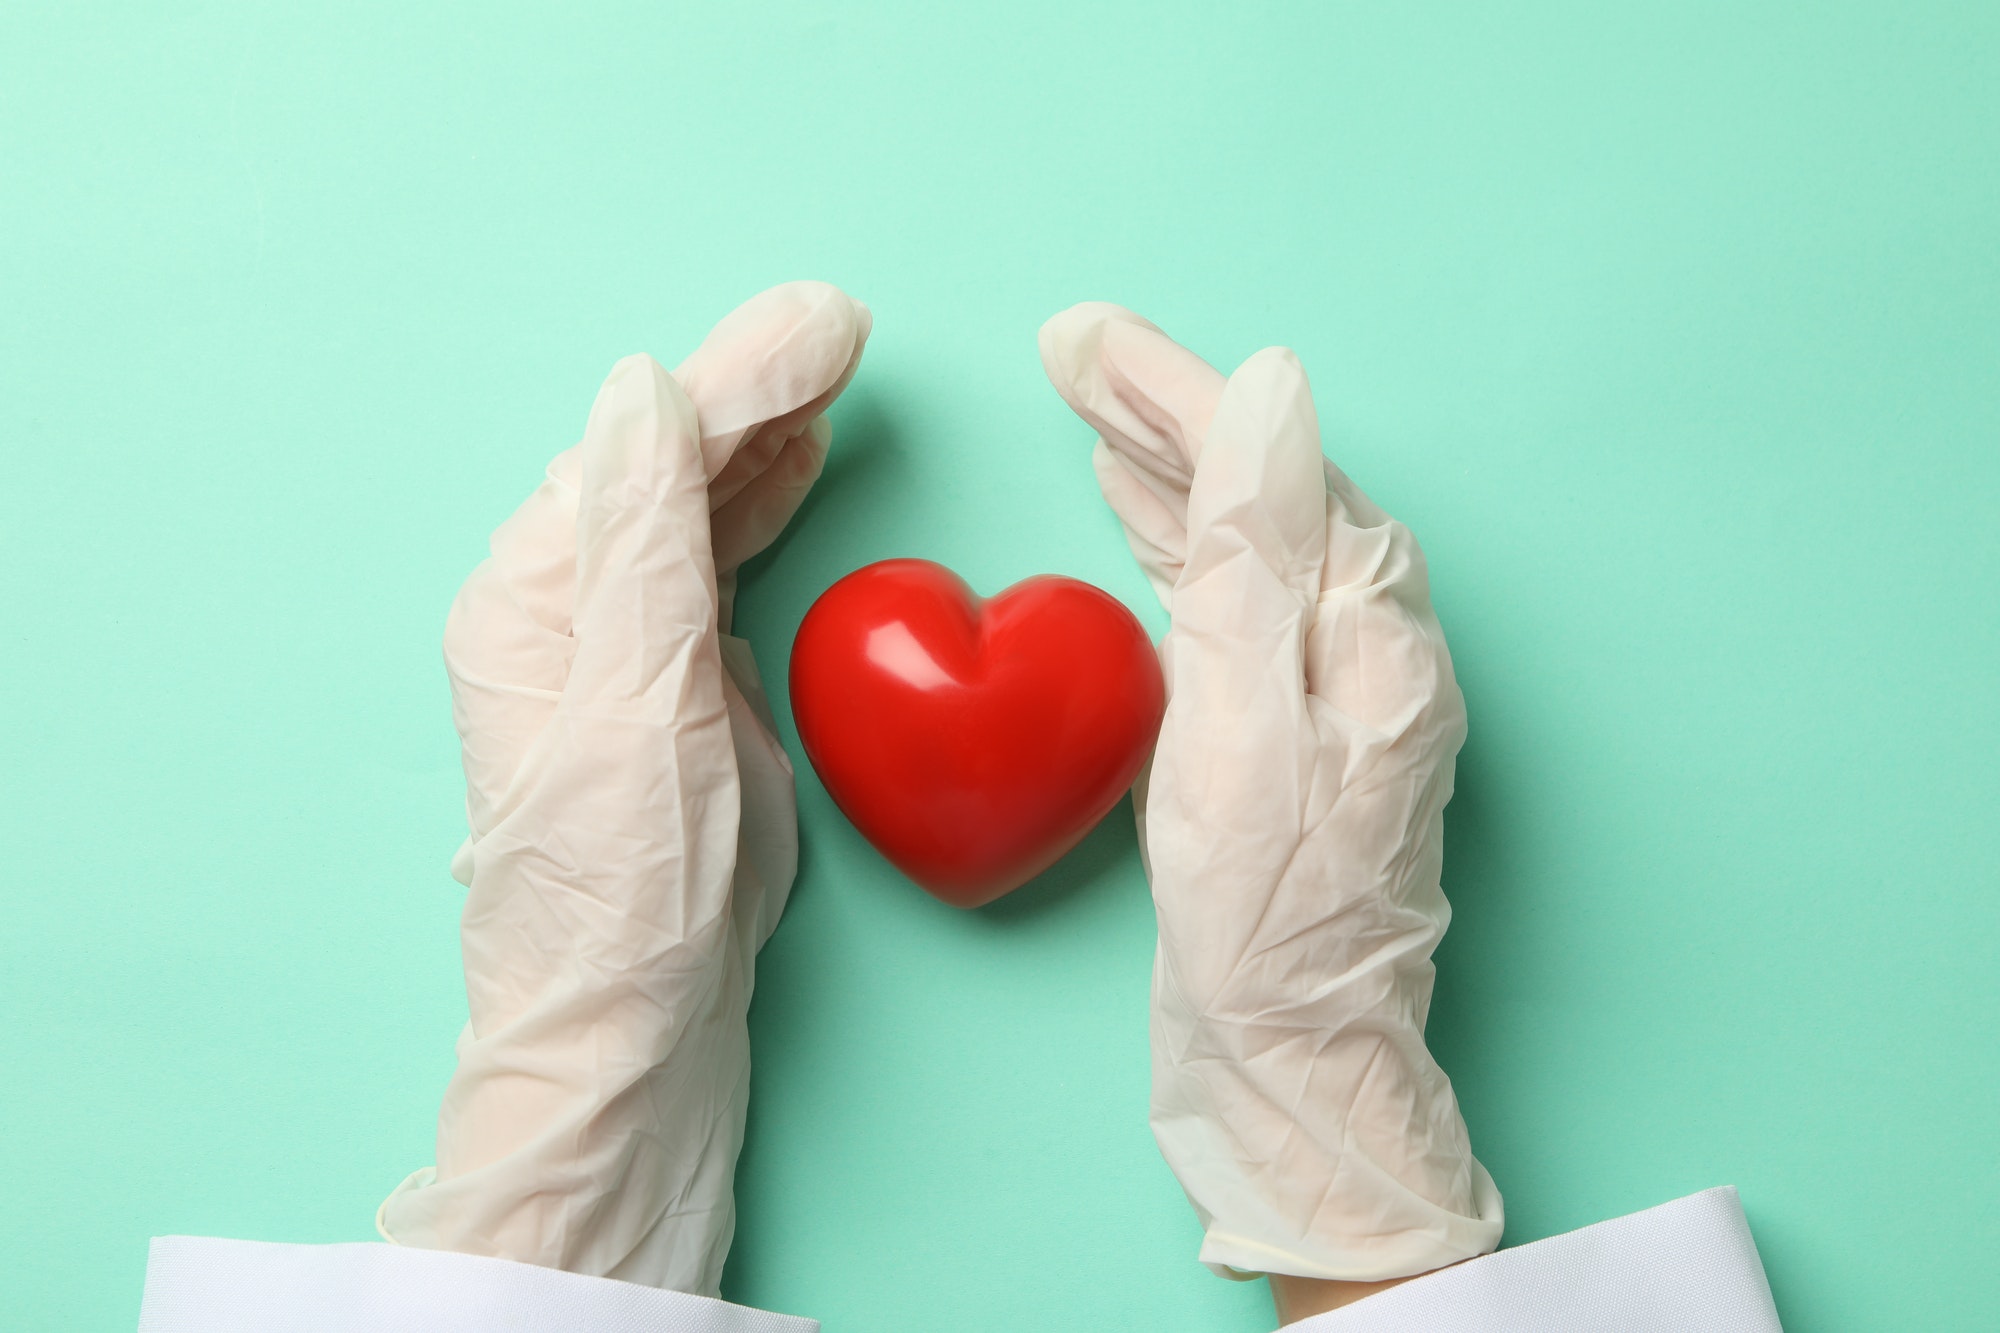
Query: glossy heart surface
[(973, 741)]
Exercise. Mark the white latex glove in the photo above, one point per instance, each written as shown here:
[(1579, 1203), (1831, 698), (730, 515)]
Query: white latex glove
[(632, 814), (1291, 819)]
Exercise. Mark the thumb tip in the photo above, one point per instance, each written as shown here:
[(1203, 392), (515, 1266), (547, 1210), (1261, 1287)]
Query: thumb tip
[(627, 369), (1274, 360), (638, 403), (1274, 379)]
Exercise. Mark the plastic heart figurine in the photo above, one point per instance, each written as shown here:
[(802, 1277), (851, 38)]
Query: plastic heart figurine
[(973, 742)]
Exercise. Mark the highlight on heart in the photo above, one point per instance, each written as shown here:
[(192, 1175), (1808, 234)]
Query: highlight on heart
[(973, 741)]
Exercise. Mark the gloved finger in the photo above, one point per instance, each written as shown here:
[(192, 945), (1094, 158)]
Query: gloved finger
[(1257, 529), (1146, 395), (1155, 528), (645, 570), (534, 549), (1150, 401), (1356, 533), (759, 380), (507, 641), (604, 996), (752, 520), (765, 371), (1376, 652), (617, 838), (768, 843), (772, 363)]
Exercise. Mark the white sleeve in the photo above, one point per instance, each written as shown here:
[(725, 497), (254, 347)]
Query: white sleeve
[(1689, 1264), (198, 1285)]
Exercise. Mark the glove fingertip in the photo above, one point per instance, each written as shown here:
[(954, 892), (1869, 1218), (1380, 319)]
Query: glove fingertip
[(1260, 487), (1070, 340), (641, 439), (776, 353)]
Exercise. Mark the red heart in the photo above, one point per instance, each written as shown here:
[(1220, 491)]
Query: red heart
[(973, 742)]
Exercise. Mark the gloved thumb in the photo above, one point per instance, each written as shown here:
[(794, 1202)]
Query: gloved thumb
[(645, 579), (1256, 523)]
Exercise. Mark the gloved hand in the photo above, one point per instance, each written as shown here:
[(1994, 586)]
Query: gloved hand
[(1290, 821), (633, 826)]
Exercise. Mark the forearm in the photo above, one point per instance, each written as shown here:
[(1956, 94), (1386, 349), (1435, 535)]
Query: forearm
[(1297, 1298)]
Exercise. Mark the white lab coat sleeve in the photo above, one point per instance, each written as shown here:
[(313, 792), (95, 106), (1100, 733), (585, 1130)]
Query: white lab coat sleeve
[(1685, 1265), (196, 1284)]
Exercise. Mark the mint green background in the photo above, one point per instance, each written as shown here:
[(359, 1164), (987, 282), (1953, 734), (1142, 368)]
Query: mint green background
[(1671, 329)]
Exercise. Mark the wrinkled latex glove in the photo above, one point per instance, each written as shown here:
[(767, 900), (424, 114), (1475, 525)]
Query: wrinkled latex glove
[(1291, 818), (633, 825)]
